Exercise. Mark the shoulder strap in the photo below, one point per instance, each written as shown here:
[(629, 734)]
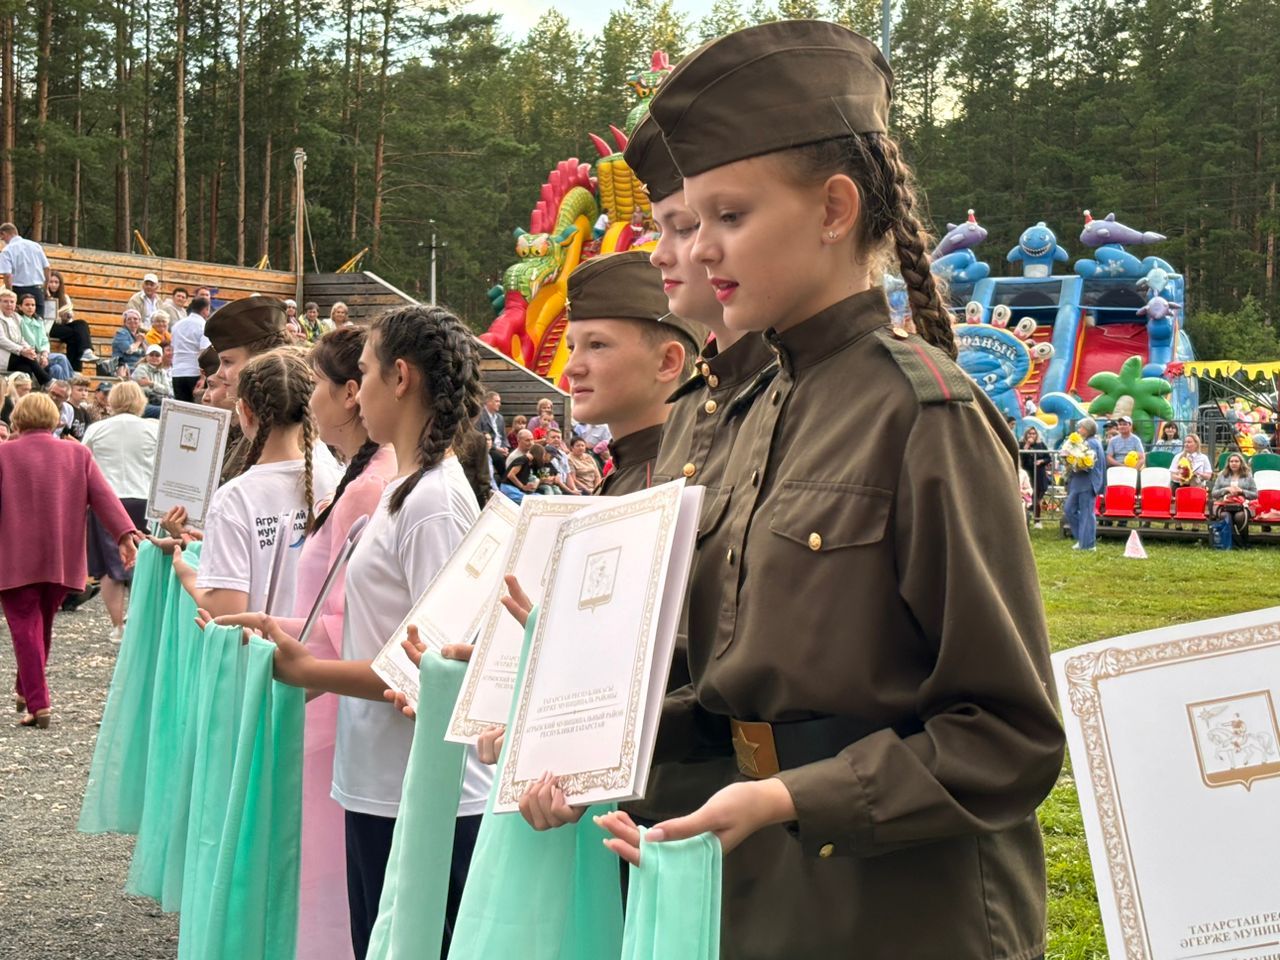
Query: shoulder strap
[(933, 375)]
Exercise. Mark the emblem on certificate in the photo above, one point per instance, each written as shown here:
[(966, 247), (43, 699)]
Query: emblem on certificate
[(1236, 739), (482, 555), (598, 579), (190, 439)]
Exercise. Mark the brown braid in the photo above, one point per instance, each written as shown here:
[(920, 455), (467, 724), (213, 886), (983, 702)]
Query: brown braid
[(886, 183), (336, 358), (441, 348), (276, 389)]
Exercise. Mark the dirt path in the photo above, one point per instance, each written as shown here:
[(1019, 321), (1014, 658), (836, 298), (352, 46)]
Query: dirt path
[(61, 892)]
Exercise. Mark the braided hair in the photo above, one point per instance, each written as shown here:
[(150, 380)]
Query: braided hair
[(276, 388), (336, 357), (441, 348), (887, 186)]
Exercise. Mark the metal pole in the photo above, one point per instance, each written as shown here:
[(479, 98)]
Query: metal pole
[(885, 12), (433, 263), (299, 211)]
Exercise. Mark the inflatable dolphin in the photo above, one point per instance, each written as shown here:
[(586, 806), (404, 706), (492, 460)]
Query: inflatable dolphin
[(953, 261), (1037, 250)]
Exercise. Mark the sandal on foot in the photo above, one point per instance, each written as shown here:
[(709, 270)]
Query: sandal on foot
[(38, 719)]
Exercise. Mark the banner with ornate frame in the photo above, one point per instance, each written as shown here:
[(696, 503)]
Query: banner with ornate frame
[(1175, 744)]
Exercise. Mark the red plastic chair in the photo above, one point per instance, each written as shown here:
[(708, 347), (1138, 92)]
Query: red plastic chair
[(1157, 502), (1119, 502), (1190, 503)]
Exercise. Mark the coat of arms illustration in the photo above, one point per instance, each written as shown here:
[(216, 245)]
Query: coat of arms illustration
[(1237, 739), (598, 579)]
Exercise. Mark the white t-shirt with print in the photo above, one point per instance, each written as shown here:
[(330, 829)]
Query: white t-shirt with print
[(396, 558), (240, 530)]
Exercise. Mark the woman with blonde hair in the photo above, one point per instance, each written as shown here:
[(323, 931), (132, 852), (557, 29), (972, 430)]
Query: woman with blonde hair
[(33, 583), (124, 447)]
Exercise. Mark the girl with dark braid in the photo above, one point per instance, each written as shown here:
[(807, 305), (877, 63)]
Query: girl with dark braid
[(279, 478), (420, 393), (892, 720)]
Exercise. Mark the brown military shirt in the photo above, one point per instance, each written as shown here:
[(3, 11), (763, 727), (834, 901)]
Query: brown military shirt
[(874, 566), (704, 416), (633, 457)]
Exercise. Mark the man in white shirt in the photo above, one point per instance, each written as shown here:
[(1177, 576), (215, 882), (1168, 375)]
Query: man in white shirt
[(23, 266), (147, 300), (188, 341)]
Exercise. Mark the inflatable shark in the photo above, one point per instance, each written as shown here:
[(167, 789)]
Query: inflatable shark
[(1108, 236), (953, 261), (1037, 250)]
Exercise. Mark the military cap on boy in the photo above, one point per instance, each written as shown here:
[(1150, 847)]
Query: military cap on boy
[(650, 160), (241, 322), (768, 88), (625, 286)]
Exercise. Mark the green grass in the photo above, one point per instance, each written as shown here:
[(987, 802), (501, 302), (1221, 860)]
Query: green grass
[(1093, 596)]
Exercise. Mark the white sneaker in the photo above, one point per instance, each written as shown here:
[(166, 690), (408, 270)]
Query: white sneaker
[(88, 357), (1039, 525), (116, 635), (1076, 546)]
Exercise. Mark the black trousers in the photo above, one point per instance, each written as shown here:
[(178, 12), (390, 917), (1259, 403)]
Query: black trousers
[(368, 849), (184, 389), (21, 364), (75, 334)]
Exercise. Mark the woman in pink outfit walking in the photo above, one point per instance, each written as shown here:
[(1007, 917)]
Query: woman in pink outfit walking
[(47, 486)]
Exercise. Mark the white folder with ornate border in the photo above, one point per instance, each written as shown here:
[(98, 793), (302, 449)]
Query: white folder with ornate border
[(1175, 745), (599, 658), (190, 442)]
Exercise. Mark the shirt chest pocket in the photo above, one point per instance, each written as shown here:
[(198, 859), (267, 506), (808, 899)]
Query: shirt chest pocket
[(823, 517)]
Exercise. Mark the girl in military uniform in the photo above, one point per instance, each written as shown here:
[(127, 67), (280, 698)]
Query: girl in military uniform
[(885, 695)]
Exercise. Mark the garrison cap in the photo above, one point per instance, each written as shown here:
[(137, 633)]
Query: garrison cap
[(649, 159), (771, 87), (241, 322), (625, 286), (208, 360)]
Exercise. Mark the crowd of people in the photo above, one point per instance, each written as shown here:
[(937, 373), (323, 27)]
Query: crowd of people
[(1231, 489)]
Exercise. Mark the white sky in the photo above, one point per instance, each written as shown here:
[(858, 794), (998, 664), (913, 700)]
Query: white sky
[(585, 15)]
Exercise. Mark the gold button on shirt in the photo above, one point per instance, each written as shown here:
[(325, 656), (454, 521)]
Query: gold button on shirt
[(826, 850), (689, 470), (815, 541), (711, 406)]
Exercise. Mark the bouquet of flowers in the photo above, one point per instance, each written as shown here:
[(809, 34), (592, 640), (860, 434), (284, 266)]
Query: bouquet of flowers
[(1183, 471), (1077, 453)]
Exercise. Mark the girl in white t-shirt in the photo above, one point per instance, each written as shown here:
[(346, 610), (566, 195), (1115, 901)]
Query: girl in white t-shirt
[(280, 480), (420, 391)]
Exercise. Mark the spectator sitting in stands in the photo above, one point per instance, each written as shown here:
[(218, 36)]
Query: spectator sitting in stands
[(519, 480), (1125, 443), (544, 471), (19, 386), (159, 334), (1169, 441), (16, 355), (1190, 467), (523, 440), (339, 316), (313, 328), (544, 420), (518, 423), (598, 437), (559, 458), (154, 379), (586, 469), (175, 308), (72, 332), (146, 302), (83, 414), (1261, 442), (99, 406), (1232, 491), (130, 343), (34, 334)]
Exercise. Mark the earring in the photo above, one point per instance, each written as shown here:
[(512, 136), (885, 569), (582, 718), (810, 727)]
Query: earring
[(831, 234)]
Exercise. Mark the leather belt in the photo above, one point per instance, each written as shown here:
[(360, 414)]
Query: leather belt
[(765, 749)]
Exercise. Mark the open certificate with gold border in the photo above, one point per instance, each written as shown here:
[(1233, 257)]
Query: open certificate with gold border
[(190, 442), (1175, 744), (599, 658), (490, 682), (457, 599)]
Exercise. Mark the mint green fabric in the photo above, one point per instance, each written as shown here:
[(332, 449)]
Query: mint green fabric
[(158, 854), (553, 895), (113, 795), (243, 840), (673, 901), (414, 892)]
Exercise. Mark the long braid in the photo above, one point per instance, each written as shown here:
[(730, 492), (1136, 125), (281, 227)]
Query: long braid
[(885, 181), (356, 467), (911, 242), (443, 351), (308, 445), (276, 389)]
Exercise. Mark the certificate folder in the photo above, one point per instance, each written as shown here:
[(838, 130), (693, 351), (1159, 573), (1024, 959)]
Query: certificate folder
[(600, 655)]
